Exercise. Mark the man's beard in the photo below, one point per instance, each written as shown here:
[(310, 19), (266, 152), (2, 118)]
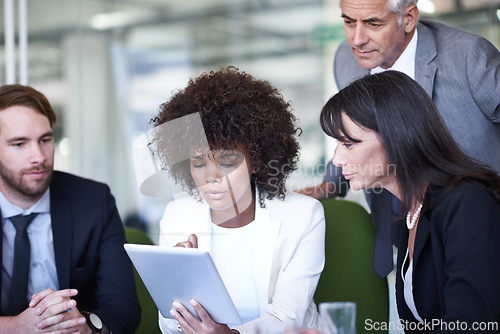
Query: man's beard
[(14, 183)]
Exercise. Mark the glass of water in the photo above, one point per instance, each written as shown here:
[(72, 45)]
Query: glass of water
[(338, 317)]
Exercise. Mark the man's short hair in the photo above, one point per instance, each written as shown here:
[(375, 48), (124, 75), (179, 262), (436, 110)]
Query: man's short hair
[(19, 95), (398, 7)]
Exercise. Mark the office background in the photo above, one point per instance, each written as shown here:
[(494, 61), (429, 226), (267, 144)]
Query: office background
[(106, 65)]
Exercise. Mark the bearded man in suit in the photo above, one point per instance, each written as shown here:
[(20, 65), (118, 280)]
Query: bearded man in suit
[(77, 277)]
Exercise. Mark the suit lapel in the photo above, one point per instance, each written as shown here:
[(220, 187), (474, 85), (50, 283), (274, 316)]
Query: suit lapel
[(402, 247), (62, 234), (1, 256), (203, 228), (423, 232), (346, 67), (359, 72), (425, 68), (351, 73), (424, 223), (266, 234)]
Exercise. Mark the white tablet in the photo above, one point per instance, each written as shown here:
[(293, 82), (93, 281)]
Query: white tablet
[(179, 274)]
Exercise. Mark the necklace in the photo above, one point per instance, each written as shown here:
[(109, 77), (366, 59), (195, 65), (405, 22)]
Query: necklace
[(411, 220)]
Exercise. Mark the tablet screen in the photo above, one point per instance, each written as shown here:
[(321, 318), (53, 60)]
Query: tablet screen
[(179, 274)]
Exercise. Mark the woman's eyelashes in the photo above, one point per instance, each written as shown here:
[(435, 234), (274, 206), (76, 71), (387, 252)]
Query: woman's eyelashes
[(347, 144)]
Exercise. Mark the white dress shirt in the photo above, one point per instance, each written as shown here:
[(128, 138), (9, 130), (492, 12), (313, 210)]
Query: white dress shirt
[(408, 287), (406, 62)]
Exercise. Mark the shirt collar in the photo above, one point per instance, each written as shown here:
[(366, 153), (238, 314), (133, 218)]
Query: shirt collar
[(11, 210), (406, 61)]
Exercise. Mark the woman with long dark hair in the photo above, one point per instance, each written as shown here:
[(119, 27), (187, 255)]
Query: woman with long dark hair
[(391, 136)]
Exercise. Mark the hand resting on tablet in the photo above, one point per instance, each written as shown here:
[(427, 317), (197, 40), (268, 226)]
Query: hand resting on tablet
[(190, 324)]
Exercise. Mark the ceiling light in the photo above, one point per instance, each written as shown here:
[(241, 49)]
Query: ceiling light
[(106, 21)]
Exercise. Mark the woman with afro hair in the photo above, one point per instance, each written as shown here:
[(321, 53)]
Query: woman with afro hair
[(267, 243)]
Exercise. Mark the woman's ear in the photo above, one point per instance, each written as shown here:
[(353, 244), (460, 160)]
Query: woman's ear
[(255, 169)]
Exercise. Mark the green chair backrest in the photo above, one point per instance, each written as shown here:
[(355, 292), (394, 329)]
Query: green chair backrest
[(149, 314), (348, 273)]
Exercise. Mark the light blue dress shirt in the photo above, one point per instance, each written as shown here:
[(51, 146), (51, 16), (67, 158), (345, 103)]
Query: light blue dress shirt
[(43, 272)]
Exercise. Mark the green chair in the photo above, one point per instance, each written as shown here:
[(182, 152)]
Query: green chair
[(149, 314), (348, 273)]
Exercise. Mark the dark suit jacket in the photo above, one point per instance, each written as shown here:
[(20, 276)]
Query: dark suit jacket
[(88, 244), (456, 261)]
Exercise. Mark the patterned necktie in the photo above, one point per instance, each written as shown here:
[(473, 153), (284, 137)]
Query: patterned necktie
[(18, 297)]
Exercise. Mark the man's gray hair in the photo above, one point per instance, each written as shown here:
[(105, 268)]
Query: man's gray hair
[(399, 6)]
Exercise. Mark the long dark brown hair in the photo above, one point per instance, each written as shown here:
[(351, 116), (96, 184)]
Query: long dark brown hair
[(415, 137)]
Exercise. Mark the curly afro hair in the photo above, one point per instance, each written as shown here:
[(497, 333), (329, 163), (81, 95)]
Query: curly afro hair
[(237, 112)]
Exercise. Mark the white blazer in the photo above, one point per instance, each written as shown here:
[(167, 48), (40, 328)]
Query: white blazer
[(288, 260)]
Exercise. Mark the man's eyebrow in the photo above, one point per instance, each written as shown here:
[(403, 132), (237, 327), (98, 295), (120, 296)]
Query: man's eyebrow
[(15, 139), (369, 20), (22, 138), (197, 157), (373, 20)]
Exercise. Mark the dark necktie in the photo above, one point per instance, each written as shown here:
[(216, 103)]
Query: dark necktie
[(18, 300), (381, 206)]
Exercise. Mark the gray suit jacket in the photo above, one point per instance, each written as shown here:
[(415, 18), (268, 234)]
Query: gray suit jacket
[(461, 73)]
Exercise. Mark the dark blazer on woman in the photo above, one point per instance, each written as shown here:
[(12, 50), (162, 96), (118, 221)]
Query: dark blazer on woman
[(88, 245), (456, 260)]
